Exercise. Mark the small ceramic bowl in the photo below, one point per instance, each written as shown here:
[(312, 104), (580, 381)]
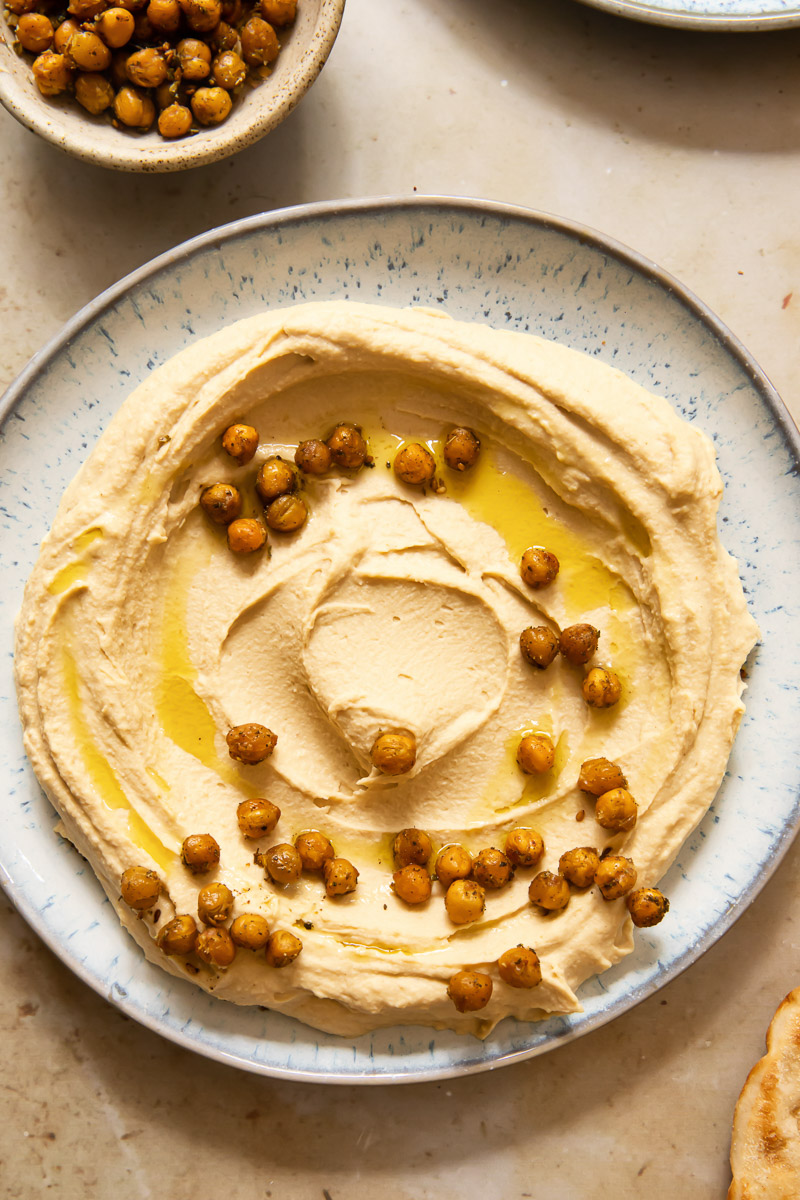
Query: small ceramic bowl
[(304, 48)]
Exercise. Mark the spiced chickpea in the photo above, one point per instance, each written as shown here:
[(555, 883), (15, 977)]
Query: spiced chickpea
[(394, 751), (462, 449), (579, 866), (85, 10), (492, 869), (600, 775), (133, 109), (200, 853), (538, 567), (549, 891), (470, 990), (314, 848), (286, 514), (524, 846), (224, 37), (142, 29), (229, 70), (340, 876), (536, 753), (211, 105), (117, 72), (257, 817), (52, 73), (412, 846), (174, 121), (250, 930), (251, 743), (64, 32), (215, 947), (115, 27), (245, 535), (313, 457), (282, 863), (260, 45), (17, 7), (279, 12), (412, 884), (146, 68), (240, 442), (222, 502), (94, 93), (164, 15), (202, 15), (194, 59), (601, 688), (616, 810), (282, 948), (453, 862), (615, 876), (414, 464), (140, 888), (88, 52), (578, 643), (214, 903), (35, 32), (179, 935), (539, 646), (275, 478), (465, 901), (647, 906), (520, 967), (166, 94), (348, 448)]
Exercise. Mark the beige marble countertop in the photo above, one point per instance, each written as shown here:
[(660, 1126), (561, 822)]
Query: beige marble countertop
[(685, 147)]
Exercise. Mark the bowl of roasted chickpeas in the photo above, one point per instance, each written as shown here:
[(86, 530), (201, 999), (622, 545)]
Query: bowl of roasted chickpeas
[(160, 85)]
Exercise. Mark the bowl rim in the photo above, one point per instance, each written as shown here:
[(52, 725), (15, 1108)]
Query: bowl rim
[(184, 153), (721, 22)]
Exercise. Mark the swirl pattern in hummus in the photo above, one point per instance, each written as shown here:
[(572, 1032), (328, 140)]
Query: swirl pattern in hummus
[(142, 640)]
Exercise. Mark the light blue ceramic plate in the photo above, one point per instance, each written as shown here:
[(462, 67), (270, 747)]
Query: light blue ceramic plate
[(743, 15), (513, 269)]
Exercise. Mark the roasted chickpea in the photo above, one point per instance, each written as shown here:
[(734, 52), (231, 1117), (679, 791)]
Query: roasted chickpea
[(245, 536), (52, 73), (250, 930), (346, 444), (578, 643), (279, 12), (140, 888), (414, 464), (222, 502), (115, 27), (470, 990), (282, 948), (615, 876), (200, 853), (214, 903), (647, 906), (202, 15), (275, 478), (229, 70), (117, 72), (64, 32), (616, 810), (211, 105), (412, 884), (538, 567), (132, 108), (35, 32), (251, 743), (20, 6), (536, 753), (178, 936), (142, 29), (166, 94), (579, 866), (174, 121), (164, 15), (465, 901), (453, 862), (314, 849), (461, 449), (131, 5), (224, 37), (601, 688), (412, 846), (194, 59), (520, 967), (394, 751), (286, 514), (524, 847), (257, 817), (549, 891), (215, 947), (539, 646), (146, 68), (241, 442), (492, 869), (88, 53), (600, 775), (340, 877), (313, 457), (260, 45), (282, 863), (94, 93), (85, 10)]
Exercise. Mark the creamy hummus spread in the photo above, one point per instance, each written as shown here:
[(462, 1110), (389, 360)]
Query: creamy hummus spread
[(143, 640)]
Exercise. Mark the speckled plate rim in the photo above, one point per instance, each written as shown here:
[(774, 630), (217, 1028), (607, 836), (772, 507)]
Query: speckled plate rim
[(753, 19), (285, 219)]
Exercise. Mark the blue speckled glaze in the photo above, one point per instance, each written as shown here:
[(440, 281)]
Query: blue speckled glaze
[(513, 269), (743, 15)]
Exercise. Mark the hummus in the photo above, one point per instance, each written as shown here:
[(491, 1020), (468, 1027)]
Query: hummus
[(143, 640)]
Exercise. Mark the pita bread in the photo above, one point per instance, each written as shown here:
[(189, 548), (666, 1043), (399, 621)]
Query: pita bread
[(765, 1146)]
